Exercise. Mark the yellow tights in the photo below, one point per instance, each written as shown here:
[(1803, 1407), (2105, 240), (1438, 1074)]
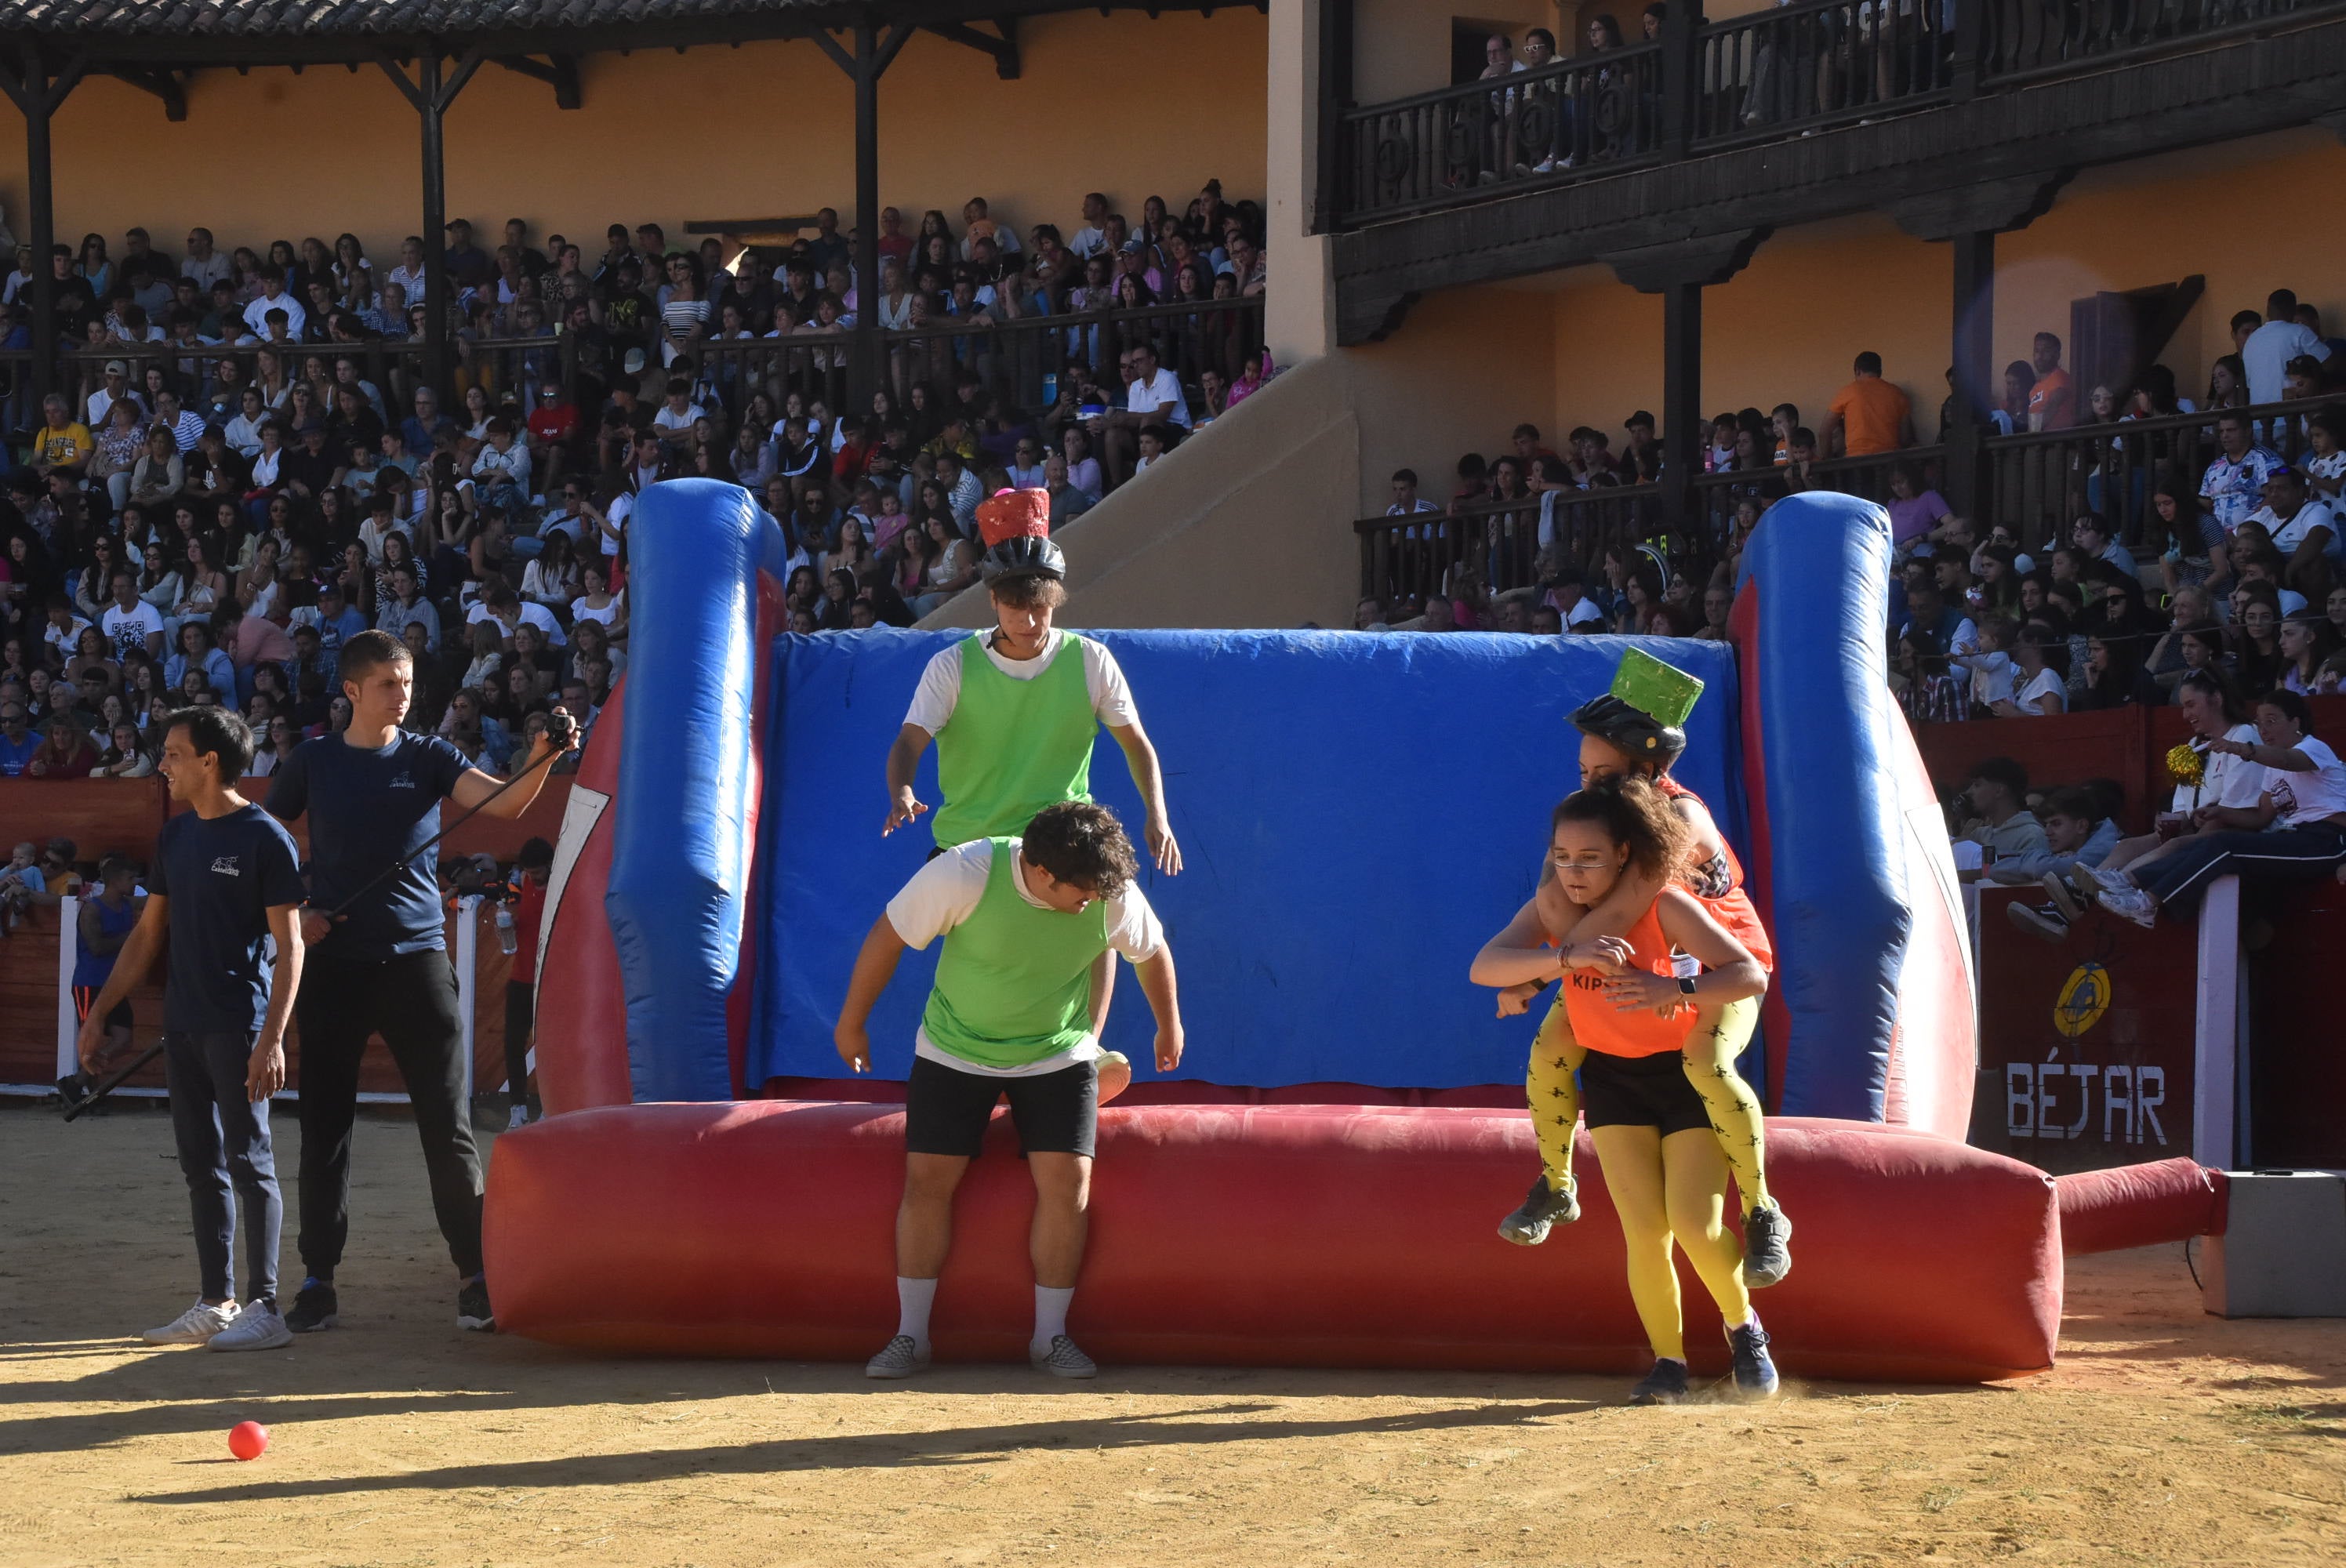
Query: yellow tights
[(1720, 1035), (1668, 1190)]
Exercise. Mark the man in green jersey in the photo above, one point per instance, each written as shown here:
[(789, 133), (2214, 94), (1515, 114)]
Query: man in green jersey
[(1022, 919)]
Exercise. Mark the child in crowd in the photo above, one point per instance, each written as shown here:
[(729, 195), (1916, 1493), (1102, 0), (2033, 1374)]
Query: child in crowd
[(1991, 667)]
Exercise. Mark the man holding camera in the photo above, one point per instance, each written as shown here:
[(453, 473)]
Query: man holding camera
[(373, 794)]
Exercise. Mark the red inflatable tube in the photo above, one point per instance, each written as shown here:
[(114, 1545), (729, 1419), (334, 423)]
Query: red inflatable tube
[(1238, 1236), (2139, 1205)]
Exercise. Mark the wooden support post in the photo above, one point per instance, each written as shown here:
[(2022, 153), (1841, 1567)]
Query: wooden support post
[(872, 56), (1330, 190), (37, 96), (1975, 346), (1682, 437), (1681, 40), (431, 93)]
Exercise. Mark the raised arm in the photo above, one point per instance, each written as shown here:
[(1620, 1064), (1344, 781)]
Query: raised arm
[(1148, 778), (508, 799), (875, 964)]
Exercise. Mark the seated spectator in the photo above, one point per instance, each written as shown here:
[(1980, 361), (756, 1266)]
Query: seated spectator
[(1934, 693), (2233, 485), (65, 751), (2040, 659), (125, 756), (2115, 676), (2303, 530), (1997, 792), (17, 742)]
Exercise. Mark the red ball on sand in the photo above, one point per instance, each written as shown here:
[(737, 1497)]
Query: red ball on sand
[(248, 1439)]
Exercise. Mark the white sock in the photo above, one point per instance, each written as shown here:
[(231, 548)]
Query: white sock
[(914, 1299), (1050, 1314)]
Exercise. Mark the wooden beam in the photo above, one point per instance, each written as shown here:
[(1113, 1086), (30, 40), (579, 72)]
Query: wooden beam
[(559, 72), (167, 85), (1698, 261), (1991, 207), (1004, 49)]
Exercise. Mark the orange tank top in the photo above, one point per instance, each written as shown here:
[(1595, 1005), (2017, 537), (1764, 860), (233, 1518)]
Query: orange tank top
[(1640, 1031), (1733, 909)]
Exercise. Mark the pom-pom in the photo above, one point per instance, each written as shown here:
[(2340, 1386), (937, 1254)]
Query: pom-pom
[(2187, 765)]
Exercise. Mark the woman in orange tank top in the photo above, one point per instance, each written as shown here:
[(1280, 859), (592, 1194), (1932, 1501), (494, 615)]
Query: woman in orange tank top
[(1632, 1014)]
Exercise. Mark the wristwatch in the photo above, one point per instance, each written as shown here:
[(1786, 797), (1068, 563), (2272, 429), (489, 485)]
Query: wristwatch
[(1686, 985)]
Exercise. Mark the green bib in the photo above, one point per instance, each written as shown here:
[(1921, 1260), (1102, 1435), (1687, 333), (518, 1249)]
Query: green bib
[(1014, 981), (1012, 747)]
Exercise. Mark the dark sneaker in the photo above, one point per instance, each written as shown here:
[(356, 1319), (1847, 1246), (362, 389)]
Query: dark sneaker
[(2065, 897), (1664, 1385), (2044, 920), (314, 1307), (473, 1309), (1063, 1360), (1542, 1208), (901, 1357), (1755, 1372), (1766, 1246)]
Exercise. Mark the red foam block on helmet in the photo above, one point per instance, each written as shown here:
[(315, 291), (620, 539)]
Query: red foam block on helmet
[(1259, 1235), (1014, 513)]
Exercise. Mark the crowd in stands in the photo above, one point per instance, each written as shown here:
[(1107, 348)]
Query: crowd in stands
[(209, 515), (2242, 571)]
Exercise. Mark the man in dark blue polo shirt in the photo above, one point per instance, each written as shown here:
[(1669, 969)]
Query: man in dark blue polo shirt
[(225, 879), (372, 796)]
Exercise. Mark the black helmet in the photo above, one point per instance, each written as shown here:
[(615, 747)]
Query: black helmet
[(1633, 729), (1026, 556)]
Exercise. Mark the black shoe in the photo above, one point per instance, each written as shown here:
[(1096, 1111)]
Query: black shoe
[(1664, 1385), (314, 1307), (1755, 1371), (2044, 920), (1543, 1207), (1766, 1246), (473, 1309)]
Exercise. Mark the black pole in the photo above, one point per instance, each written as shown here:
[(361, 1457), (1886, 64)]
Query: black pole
[(40, 195), (430, 106), (1682, 441), (866, 356), (1681, 39), (1974, 350)]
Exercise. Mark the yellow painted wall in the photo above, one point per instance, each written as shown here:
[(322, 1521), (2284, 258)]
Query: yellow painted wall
[(1787, 327), (1467, 366), (1401, 47), (762, 130)]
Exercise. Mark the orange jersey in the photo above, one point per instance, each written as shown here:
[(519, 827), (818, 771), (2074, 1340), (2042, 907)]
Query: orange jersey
[(1639, 1032), (1733, 909)]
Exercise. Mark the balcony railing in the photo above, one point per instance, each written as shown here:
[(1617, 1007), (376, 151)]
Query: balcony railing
[(1023, 361), (1771, 75)]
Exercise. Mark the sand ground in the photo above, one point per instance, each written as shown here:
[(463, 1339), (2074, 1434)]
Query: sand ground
[(2163, 1436)]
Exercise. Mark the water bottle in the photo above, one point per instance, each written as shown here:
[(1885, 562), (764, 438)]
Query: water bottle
[(507, 942), (1050, 388)]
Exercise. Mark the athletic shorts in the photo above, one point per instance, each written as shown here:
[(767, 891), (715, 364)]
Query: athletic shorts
[(1640, 1092), (946, 1111), (83, 995)]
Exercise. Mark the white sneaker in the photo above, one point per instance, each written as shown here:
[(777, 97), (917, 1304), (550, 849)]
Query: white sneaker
[(2131, 902), (517, 1117), (195, 1326), (255, 1328)]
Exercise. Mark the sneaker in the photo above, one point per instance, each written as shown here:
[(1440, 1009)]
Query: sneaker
[(901, 1359), (314, 1307), (1664, 1385), (2132, 904), (473, 1309), (1062, 1360), (2091, 880), (517, 1118), (1766, 1246), (1542, 1208), (2065, 897), (1755, 1371), (2043, 920), (257, 1328), (195, 1326)]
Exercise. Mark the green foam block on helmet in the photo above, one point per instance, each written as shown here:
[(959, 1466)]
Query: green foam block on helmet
[(1663, 691)]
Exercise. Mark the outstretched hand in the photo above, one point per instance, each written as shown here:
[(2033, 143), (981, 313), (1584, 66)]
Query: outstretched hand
[(902, 810)]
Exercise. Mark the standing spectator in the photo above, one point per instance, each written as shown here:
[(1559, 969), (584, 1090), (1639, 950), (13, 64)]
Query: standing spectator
[(2053, 400), (1868, 415), (131, 624), (2281, 338), (530, 873)]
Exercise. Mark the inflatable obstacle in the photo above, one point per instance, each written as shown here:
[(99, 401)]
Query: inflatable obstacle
[(1357, 812)]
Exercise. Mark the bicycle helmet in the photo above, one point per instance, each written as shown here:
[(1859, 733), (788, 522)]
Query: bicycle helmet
[(1633, 730), (1023, 557)]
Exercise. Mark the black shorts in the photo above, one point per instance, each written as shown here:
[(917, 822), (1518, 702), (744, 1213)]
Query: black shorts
[(946, 1111), (1640, 1092), (85, 995)]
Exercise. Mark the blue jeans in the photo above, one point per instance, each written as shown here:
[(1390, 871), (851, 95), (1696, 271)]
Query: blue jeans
[(224, 1153), (2178, 877)]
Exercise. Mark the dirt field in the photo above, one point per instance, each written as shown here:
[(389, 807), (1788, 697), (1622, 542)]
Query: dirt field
[(2165, 1437)]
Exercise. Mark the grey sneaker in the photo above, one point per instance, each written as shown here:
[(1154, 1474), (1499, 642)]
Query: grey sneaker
[(901, 1359), (257, 1328), (2091, 880), (1664, 1385), (1766, 1246), (1542, 1208), (1062, 1360), (2131, 903), (195, 1326)]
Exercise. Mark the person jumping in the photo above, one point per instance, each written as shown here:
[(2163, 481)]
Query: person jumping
[(1023, 920), (1636, 729), (1633, 1017)]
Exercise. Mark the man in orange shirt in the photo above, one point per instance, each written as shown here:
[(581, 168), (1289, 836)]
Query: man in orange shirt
[(2052, 400), (1868, 415)]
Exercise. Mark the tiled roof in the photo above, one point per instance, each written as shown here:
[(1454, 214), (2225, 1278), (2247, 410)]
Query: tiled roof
[(223, 19)]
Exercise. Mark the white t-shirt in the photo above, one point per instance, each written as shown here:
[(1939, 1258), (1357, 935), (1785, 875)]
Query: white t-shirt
[(129, 629), (939, 689), (63, 638), (256, 316), (2267, 352), (1166, 388), (2228, 780), (2046, 683), (2287, 537), (1991, 677), (669, 419), (946, 891), (532, 613), (2308, 797)]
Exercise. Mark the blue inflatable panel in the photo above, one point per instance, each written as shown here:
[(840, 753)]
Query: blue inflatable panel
[(1358, 814), (680, 849), (1820, 565)]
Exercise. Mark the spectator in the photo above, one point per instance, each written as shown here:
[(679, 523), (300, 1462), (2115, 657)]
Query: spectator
[(2281, 337), (2001, 823), (2233, 485), (1868, 415), (65, 751), (2115, 676), (2303, 530), (17, 742), (2040, 660), (2053, 399)]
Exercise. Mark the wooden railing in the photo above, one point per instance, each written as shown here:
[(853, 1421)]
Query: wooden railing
[(1791, 68), (1509, 543), (2026, 40), (1022, 360)]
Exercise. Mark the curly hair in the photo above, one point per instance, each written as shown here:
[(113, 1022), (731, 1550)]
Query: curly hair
[(1633, 814), (1082, 845)]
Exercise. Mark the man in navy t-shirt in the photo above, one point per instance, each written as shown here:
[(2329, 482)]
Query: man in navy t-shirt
[(372, 796), (226, 882)]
